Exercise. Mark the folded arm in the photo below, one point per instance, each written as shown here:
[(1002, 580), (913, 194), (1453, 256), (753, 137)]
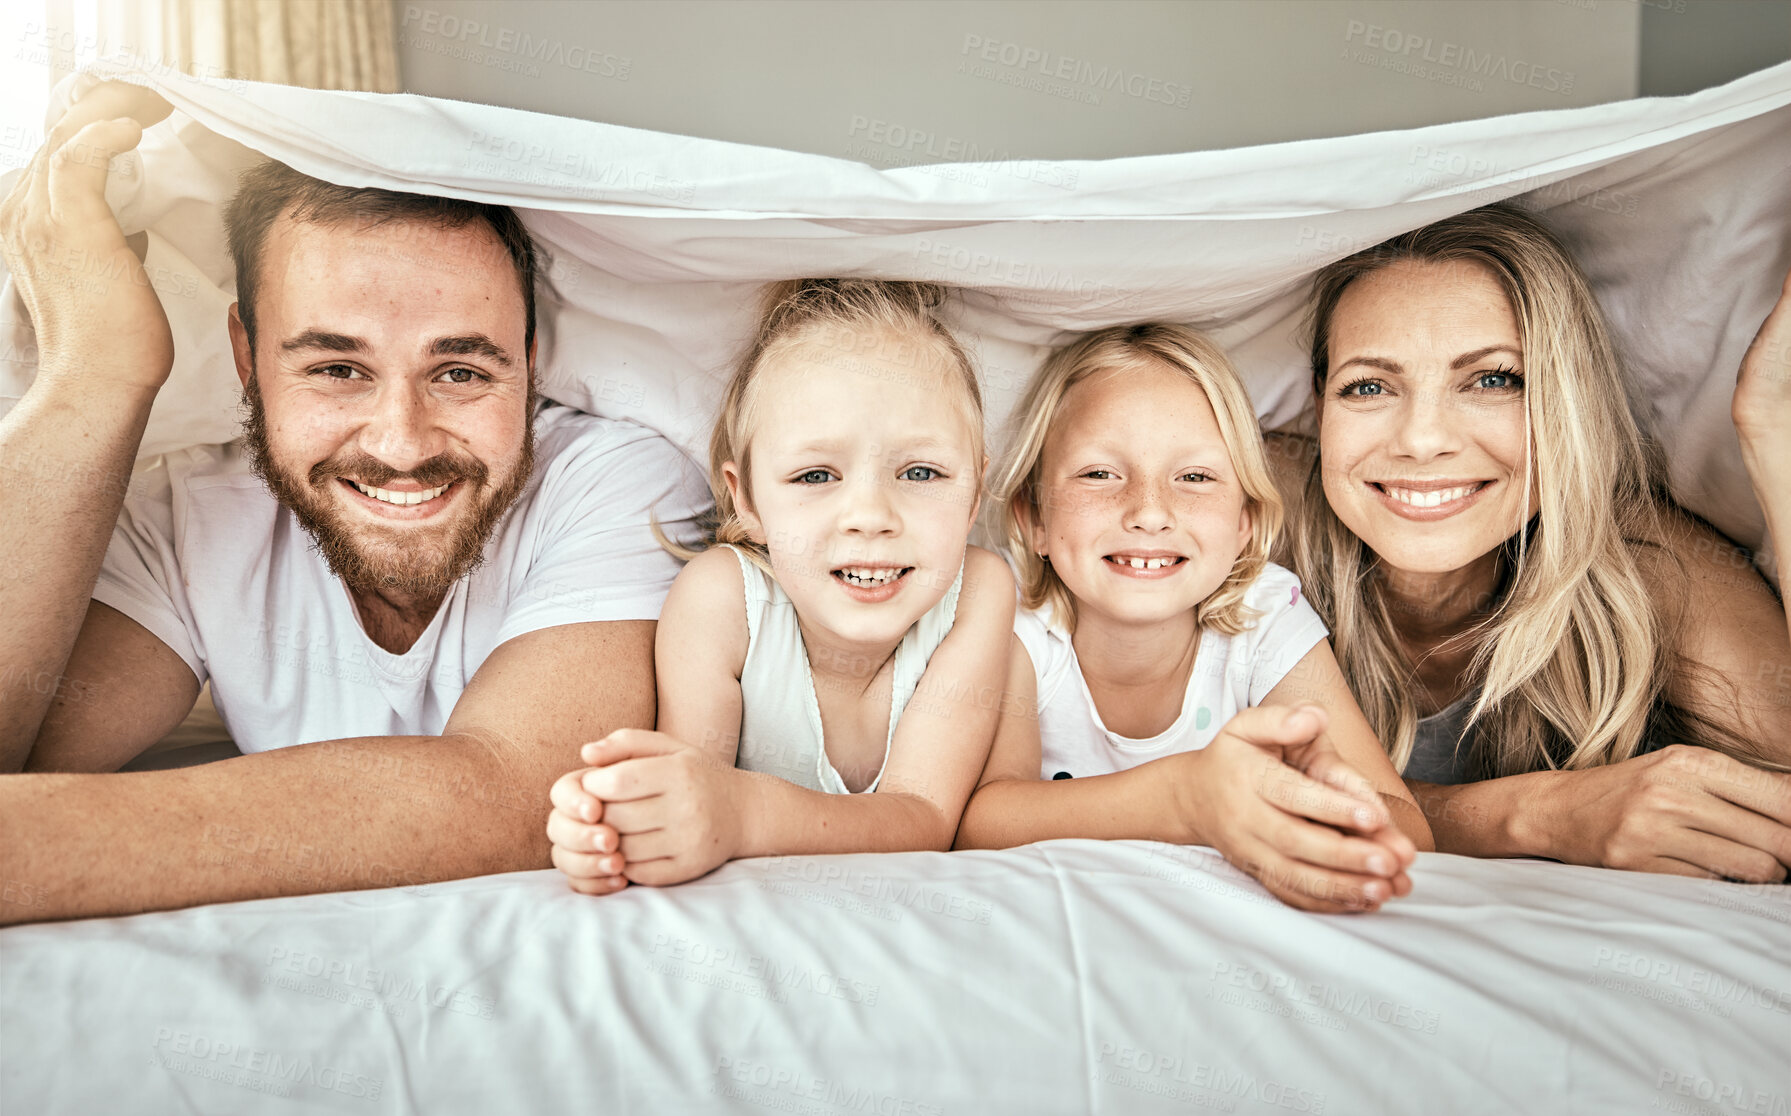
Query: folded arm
[(329, 816), (1682, 809)]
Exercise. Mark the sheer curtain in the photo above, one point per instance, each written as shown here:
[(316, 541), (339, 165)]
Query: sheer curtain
[(324, 44)]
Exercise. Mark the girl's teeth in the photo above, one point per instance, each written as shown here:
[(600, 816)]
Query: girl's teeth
[(1147, 563), (402, 499), (861, 575), (1430, 499)]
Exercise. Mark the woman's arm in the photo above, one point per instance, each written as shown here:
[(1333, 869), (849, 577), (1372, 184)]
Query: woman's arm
[(1683, 810)]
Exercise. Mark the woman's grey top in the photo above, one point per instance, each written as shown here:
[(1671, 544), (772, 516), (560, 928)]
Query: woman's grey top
[(1436, 757)]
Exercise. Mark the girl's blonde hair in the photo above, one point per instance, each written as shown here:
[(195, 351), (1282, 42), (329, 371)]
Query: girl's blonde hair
[(852, 321), (1120, 349), (1572, 660)]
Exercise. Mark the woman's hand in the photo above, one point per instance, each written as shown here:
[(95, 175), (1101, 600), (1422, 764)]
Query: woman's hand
[(1682, 810), (1272, 795), (1762, 404), (675, 806), (583, 846)]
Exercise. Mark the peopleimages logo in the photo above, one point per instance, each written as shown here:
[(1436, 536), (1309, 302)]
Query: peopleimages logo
[(1413, 51), (507, 42), (1059, 74)]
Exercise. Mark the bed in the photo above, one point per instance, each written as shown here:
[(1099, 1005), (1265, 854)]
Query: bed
[(1070, 976), (1064, 977)]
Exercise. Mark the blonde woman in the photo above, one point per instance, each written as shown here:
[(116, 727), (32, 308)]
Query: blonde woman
[(1561, 662), (1184, 690)]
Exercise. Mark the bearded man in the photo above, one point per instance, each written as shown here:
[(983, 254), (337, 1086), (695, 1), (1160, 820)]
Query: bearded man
[(414, 588)]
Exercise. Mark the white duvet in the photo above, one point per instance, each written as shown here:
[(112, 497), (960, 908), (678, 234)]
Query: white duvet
[(1067, 977), (1679, 209)]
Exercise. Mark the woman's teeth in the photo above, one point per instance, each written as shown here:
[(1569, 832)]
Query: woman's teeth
[(1145, 563), (403, 499), (866, 575), (1430, 499)]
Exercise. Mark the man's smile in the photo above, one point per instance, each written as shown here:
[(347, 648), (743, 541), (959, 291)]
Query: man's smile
[(400, 503)]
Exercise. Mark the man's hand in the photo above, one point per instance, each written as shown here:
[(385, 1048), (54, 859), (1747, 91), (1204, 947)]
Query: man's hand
[(676, 808), (1272, 794), (97, 319)]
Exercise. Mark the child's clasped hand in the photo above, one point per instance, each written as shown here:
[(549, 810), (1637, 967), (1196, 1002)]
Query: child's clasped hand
[(649, 810)]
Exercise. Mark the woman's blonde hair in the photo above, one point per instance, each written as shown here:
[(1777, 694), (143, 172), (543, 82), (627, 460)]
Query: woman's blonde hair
[(852, 321), (1123, 349), (1572, 659)]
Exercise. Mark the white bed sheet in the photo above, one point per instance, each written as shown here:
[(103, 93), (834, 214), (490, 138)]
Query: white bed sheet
[(1066, 977)]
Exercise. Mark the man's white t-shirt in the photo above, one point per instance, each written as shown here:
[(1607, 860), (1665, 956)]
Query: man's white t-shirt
[(206, 559), (1231, 674)]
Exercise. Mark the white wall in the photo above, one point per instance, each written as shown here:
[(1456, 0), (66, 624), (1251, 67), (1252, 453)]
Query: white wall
[(1021, 78)]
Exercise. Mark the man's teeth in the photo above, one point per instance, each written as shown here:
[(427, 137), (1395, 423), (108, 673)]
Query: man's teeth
[(866, 575), (402, 499), (1147, 563), (1429, 499)]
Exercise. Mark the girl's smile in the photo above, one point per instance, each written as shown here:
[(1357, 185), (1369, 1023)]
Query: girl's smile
[(1141, 512), (865, 480)]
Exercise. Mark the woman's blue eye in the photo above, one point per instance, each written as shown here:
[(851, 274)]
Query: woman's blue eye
[(1369, 388), (1507, 380), (814, 476), (908, 473)]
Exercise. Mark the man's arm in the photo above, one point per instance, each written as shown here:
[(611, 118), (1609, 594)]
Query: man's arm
[(66, 449), (337, 815)]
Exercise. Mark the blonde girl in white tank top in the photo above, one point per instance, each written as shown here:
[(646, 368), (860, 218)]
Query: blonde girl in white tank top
[(826, 667)]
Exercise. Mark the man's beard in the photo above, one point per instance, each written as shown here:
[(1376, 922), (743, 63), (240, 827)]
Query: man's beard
[(389, 561)]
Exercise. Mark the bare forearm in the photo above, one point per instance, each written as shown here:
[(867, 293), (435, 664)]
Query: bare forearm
[(1492, 818), (780, 818), (335, 816), (1004, 813), (65, 462), (1409, 820)]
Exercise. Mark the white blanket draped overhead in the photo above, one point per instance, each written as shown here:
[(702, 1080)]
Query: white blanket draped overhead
[(1679, 209)]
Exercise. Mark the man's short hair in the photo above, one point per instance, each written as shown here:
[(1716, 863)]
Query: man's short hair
[(266, 191)]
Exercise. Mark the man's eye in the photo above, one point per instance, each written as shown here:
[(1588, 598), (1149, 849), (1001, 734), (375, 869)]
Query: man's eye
[(462, 376), (340, 371), (815, 476), (919, 473)]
